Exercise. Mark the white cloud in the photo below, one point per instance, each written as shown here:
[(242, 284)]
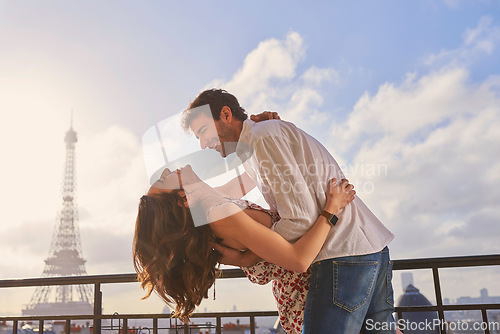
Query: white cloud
[(453, 4), (112, 179), (400, 112), (439, 138), (316, 76), (268, 80), (273, 60), (478, 41)]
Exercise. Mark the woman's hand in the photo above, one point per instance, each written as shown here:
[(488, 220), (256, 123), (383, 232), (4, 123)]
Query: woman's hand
[(193, 186), (188, 176), (338, 195), (264, 116)]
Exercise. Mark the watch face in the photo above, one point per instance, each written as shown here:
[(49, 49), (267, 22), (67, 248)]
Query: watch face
[(333, 219)]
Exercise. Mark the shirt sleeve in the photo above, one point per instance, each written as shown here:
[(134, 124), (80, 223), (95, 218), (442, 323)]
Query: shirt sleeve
[(280, 168)]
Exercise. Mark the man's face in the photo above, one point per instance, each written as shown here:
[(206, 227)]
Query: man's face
[(213, 134)]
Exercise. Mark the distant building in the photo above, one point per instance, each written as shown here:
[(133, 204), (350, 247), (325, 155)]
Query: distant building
[(59, 327), (407, 279), (236, 328), (56, 327), (65, 253), (482, 299), (413, 297), (472, 317), (455, 320), (3, 327), (29, 328)]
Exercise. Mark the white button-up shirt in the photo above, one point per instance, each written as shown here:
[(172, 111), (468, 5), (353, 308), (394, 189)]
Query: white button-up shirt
[(292, 170)]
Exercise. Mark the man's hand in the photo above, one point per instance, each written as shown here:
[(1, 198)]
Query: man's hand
[(266, 115), (233, 257)]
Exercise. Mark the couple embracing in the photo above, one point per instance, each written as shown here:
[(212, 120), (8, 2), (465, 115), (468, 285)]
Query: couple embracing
[(323, 249)]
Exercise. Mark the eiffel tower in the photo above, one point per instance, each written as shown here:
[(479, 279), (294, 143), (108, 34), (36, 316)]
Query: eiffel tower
[(65, 254)]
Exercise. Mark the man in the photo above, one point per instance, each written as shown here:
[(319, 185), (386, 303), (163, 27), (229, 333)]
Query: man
[(351, 276)]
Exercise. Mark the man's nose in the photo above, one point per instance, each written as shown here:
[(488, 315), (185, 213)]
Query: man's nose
[(203, 143)]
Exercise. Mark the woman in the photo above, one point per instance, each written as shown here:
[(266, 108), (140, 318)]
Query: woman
[(177, 260)]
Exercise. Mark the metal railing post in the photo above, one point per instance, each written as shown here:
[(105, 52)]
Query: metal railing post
[(218, 329), (67, 330), (155, 325), (252, 325), (124, 326), (14, 327), (97, 308), (485, 320), (439, 298), (400, 315)]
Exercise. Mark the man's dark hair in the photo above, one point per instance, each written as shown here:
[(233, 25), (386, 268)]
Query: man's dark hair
[(216, 98)]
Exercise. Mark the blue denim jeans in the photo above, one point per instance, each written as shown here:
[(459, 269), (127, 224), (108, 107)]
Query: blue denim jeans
[(349, 295)]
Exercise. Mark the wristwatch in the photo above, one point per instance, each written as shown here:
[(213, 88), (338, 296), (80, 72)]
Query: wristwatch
[(330, 216)]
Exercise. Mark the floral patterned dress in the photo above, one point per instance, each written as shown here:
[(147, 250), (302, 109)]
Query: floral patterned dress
[(289, 287)]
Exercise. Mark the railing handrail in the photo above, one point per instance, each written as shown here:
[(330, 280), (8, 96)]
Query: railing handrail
[(237, 314), (68, 280), (447, 262), (401, 264)]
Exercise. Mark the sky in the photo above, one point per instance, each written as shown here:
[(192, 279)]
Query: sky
[(405, 95)]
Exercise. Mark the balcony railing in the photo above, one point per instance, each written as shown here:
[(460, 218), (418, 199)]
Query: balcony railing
[(97, 280)]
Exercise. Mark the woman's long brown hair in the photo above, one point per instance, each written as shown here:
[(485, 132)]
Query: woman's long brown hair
[(171, 256)]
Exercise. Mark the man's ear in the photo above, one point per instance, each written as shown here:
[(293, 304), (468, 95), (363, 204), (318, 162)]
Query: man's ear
[(226, 115)]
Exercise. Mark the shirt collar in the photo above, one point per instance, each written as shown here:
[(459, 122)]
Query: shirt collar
[(243, 150)]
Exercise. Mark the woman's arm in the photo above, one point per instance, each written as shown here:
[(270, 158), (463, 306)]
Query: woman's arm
[(272, 247), (233, 257)]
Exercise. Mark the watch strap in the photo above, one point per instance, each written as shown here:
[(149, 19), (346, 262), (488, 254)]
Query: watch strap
[(330, 217)]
